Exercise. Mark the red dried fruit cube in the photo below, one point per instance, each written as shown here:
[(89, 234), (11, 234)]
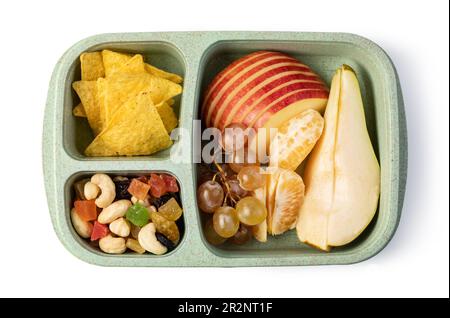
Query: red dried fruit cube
[(86, 209), (170, 182), (138, 189), (99, 231), (158, 187)]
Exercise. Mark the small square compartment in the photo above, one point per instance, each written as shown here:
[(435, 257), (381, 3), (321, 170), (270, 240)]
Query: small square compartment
[(85, 244), (324, 57), (77, 134)]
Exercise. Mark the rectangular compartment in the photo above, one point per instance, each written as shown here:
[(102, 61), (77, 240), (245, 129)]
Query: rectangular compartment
[(85, 244), (324, 58), (77, 133), (198, 56)]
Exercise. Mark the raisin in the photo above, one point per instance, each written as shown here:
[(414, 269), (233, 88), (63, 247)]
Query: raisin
[(166, 227), (122, 189), (165, 241)]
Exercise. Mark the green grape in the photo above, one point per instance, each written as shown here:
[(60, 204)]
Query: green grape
[(211, 235), (251, 211), (250, 178), (226, 221)]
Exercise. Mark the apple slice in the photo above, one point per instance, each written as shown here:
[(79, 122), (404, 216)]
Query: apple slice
[(256, 81)]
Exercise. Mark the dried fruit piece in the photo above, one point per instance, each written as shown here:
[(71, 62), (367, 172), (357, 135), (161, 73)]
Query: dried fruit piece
[(165, 227), (135, 231), (170, 182), (134, 245), (122, 185), (79, 188), (158, 187), (99, 231), (171, 210), (86, 209), (165, 241), (138, 189), (137, 214)]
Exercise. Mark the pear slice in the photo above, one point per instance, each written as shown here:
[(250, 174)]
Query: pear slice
[(342, 176)]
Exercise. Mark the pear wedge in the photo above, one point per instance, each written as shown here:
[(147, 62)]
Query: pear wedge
[(342, 176)]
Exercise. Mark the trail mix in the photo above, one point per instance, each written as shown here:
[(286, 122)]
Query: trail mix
[(128, 213)]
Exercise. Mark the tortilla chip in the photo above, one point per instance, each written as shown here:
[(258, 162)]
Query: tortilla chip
[(101, 100), (114, 61), (135, 129), (87, 91), (78, 111), (160, 73), (91, 66), (119, 88), (168, 116), (171, 101)]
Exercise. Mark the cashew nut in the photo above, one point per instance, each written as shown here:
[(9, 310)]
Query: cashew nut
[(107, 187), (112, 245), (91, 190), (120, 227), (114, 211), (145, 202), (83, 228), (148, 240)]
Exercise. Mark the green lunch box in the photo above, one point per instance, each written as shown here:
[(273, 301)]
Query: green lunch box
[(198, 57)]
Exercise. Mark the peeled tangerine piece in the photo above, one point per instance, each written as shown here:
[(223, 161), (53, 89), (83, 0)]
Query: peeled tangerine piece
[(295, 139), (283, 195), (287, 198), (342, 175)]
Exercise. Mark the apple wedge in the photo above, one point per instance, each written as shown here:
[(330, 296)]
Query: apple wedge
[(342, 176)]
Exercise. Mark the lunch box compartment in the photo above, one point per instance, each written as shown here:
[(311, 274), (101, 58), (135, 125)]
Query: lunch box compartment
[(90, 247), (198, 57), (77, 133), (219, 55)]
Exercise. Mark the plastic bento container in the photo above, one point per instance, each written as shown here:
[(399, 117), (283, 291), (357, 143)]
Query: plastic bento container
[(198, 57)]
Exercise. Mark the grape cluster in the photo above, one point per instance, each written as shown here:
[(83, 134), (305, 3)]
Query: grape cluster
[(227, 195)]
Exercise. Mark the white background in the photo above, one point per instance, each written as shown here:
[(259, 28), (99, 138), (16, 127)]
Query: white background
[(34, 35)]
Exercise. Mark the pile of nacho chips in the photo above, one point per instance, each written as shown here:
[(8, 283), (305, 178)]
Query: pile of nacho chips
[(127, 102)]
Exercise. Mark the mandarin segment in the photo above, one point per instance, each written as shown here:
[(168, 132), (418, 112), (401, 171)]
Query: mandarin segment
[(295, 139)]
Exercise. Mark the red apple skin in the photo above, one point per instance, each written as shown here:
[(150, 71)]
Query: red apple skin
[(226, 107), (300, 95), (218, 101), (286, 90), (223, 102), (250, 101), (241, 65), (229, 72)]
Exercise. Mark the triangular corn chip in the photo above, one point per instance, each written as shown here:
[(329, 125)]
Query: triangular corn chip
[(91, 66), (119, 88), (160, 73), (78, 111), (167, 115), (135, 129), (87, 91)]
